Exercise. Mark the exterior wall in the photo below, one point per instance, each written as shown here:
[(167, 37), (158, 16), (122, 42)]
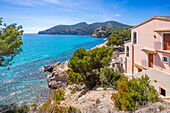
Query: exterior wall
[(158, 79), (129, 59), (147, 40)]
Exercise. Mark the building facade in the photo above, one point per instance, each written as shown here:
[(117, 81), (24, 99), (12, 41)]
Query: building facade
[(149, 48)]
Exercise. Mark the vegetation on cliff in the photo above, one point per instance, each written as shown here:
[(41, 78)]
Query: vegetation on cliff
[(54, 105), (86, 65), (107, 31), (15, 109), (134, 93), (10, 42), (118, 38), (81, 28), (110, 77)]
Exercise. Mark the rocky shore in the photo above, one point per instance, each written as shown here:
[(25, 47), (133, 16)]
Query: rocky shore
[(57, 74)]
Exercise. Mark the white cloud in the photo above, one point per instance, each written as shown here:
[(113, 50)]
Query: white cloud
[(117, 15), (52, 1), (33, 2)]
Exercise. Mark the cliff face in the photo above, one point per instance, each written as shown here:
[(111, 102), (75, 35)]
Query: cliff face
[(99, 32), (80, 29), (104, 31)]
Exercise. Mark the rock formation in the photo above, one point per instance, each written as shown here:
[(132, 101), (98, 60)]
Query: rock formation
[(57, 74)]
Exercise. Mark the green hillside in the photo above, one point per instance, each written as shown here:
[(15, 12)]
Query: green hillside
[(81, 28)]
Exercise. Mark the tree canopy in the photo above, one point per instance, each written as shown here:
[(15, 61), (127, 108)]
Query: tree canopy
[(84, 63), (10, 42), (118, 38)]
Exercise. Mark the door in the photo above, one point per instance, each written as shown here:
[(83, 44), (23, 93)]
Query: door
[(150, 59), (166, 41)]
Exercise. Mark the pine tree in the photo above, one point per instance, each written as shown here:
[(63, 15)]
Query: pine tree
[(10, 42)]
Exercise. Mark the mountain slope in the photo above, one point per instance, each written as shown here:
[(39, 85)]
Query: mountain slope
[(81, 28)]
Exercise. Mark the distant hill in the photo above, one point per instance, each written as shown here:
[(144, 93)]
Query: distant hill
[(107, 31), (80, 29)]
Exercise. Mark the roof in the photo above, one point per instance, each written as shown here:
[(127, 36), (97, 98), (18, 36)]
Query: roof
[(165, 18), (162, 30)]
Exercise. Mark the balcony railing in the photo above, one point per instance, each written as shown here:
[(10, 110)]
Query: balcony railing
[(166, 45)]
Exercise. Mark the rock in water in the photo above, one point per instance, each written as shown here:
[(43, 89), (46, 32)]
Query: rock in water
[(58, 74), (51, 67)]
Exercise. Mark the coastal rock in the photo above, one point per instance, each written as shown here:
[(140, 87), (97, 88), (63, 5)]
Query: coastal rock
[(55, 84), (51, 67), (57, 74)]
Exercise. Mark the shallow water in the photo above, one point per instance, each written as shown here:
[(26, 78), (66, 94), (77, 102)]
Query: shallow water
[(26, 80)]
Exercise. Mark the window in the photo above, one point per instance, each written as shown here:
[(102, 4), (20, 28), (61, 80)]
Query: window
[(127, 51), (165, 59), (121, 65), (134, 38), (162, 91)]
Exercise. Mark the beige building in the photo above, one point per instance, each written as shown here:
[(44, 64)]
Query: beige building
[(148, 52)]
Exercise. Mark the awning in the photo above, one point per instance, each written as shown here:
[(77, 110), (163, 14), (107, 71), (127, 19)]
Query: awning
[(149, 51), (162, 30)]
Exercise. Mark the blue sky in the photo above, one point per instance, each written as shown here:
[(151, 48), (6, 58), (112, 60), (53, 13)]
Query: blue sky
[(36, 15)]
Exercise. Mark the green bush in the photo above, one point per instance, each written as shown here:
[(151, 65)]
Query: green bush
[(134, 93), (110, 77), (71, 109), (117, 38), (22, 109), (85, 66), (53, 105), (161, 107), (34, 106), (74, 77)]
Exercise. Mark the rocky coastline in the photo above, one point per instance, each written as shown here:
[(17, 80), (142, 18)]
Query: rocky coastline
[(57, 74), (57, 71)]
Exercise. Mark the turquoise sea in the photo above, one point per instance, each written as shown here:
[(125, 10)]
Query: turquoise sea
[(25, 82)]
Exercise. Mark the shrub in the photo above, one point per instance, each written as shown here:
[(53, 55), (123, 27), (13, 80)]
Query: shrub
[(134, 93), (161, 107), (85, 65), (22, 109), (71, 109), (34, 106), (110, 77), (74, 77), (53, 105)]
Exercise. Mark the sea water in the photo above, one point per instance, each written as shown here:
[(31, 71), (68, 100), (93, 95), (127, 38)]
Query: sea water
[(26, 82)]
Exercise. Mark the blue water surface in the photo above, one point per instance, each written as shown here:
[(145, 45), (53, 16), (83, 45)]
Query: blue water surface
[(26, 80)]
